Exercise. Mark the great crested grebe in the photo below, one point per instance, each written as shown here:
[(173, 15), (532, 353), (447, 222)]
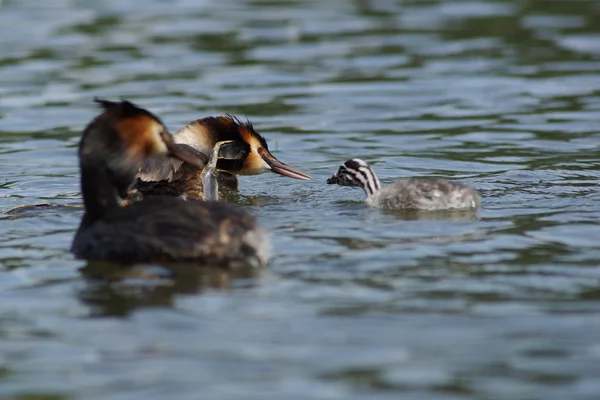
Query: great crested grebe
[(409, 194), (248, 154), (161, 228)]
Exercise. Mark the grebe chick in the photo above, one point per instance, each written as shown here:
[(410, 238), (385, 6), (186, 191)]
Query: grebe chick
[(248, 155), (409, 194), (158, 229)]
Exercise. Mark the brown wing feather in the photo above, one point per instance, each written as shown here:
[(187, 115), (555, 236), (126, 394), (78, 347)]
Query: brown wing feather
[(166, 168)]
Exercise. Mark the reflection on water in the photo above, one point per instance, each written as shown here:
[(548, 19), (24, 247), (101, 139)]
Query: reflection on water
[(37, 210), (114, 290), (449, 215), (357, 303)]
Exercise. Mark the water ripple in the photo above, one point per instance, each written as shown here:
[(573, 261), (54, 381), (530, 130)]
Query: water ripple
[(357, 303)]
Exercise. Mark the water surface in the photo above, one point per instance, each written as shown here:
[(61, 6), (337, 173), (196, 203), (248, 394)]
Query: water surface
[(357, 303)]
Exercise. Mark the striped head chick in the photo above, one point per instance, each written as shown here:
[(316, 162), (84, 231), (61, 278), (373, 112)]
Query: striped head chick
[(358, 173), (427, 194)]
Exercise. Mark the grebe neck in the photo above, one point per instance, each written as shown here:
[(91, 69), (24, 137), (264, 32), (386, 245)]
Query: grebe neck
[(99, 194), (370, 182)]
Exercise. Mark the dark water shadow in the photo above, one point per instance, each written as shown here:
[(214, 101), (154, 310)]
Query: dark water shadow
[(34, 210), (113, 289)]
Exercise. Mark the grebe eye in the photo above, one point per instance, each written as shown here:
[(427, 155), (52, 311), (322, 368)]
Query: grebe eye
[(259, 151)]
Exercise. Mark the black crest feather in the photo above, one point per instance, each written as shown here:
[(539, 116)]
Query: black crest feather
[(105, 104), (248, 125), (124, 108)]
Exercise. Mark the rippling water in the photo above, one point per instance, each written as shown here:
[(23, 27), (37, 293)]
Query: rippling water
[(357, 303)]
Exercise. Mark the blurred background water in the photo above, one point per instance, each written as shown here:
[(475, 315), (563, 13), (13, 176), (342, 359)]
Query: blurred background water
[(357, 303)]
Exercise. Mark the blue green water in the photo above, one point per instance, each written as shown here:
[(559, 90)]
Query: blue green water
[(357, 303)]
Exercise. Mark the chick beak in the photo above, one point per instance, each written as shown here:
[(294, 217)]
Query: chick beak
[(283, 169), (181, 152), (333, 179)]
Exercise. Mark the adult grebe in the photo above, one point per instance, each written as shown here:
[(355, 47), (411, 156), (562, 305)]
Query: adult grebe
[(409, 194), (161, 228), (248, 154)]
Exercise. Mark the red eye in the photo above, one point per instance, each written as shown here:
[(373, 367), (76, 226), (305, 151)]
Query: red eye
[(259, 151)]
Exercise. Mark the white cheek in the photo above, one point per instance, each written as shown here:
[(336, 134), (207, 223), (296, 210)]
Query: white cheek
[(264, 164), (256, 165), (160, 147)]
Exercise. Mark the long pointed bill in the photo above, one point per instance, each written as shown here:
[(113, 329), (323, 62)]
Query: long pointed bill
[(283, 169), (184, 153)]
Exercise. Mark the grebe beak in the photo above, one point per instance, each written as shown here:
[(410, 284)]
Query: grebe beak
[(283, 169), (182, 152)]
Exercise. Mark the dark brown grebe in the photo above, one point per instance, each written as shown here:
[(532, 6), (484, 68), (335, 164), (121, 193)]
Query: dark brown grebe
[(409, 194), (247, 154), (161, 228)]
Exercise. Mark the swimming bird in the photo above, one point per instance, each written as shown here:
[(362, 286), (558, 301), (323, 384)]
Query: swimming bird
[(409, 194), (248, 154), (159, 229)]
